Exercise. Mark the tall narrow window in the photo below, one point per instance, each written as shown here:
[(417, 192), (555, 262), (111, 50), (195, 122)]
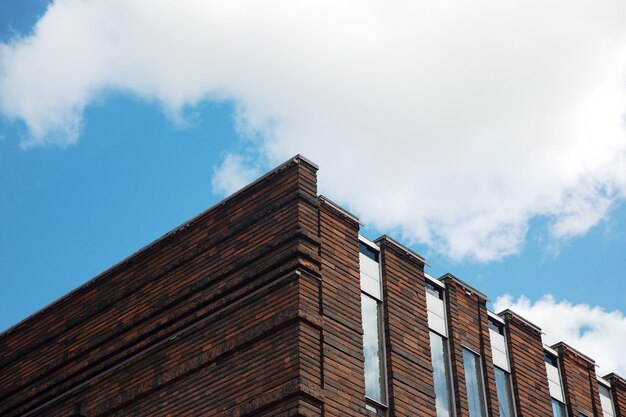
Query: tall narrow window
[(372, 317), (441, 374), (558, 408), (473, 384), (554, 384), (374, 388), (505, 397), (502, 368), (606, 400)]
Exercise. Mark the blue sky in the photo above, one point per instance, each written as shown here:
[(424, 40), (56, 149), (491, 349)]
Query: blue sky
[(149, 154)]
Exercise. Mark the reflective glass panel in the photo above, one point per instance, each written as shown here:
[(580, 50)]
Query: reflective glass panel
[(558, 408), (473, 384), (441, 374), (505, 397), (374, 378)]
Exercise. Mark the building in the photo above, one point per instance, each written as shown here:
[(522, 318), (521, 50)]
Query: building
[(271, 304)]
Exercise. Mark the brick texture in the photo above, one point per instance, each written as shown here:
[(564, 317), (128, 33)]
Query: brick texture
[(219, 317), (579, 382), (409, 368), (618, 390), (342, 336), (468, 327), (528, 369)]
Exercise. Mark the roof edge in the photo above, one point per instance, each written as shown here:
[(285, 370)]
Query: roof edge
[(560, 345), (520, 318), (325, 200), (295, 159), (402, 248), (449, 277)]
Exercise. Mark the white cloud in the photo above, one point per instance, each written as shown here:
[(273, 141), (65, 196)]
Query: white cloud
[(593, 331), (234, 173), (455, 122)]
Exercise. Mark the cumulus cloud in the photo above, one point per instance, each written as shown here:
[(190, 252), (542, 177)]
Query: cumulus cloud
[(593, 331), (454, 122), (234, 173)]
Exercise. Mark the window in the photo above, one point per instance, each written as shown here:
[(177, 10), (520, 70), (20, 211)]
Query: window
[(473, 384), (558, 408), (607, 401), (441, 374), (505, 395), (372, 349), (372, 318), (554, 384)]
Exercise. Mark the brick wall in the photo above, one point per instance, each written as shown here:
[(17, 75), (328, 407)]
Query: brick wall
[(409, 367), (220, 317), (468, 327), (618, 390), (580, 383), (343, 374), (528, 369)]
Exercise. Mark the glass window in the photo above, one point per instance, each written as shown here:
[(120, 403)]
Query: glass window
[(372, 349), (607, 401), (369, 252), (558, 408), (551, 360), (496, 327), (473, 384), (505, 396), (441, 374)]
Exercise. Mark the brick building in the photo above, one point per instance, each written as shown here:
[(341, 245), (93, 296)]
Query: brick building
[(271, 304)]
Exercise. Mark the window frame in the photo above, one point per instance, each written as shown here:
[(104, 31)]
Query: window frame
[(480, 379), (375, 405)]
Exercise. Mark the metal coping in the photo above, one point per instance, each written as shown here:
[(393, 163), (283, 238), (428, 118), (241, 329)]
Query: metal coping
[(449, 277), (558, 345), (340, 209), (494, 316), (613, 375), (402, 248), (550, 350), (434, 281), (368, 242), (295, 159), (520, 318)]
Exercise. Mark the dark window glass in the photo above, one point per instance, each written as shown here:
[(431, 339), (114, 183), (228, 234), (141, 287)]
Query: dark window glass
[(436, 291), (496, 327), (558, 408), (367, 251), (473, 384), (551, 359), (372, 349), (505, 397), (441, 374)]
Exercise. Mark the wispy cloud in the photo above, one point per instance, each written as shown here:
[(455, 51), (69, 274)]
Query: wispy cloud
[(456, 122), (592, 330), (233, 174)]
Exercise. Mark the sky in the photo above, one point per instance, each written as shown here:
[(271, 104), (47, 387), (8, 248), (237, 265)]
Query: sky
[(488, 135)]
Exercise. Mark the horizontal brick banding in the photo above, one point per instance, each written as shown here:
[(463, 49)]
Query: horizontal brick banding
[(410, 372), (122, 342)]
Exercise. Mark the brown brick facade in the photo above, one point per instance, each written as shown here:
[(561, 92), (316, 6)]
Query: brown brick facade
[(618, 389), (528, 370), (409, 368), (253, 308), (579, 382)]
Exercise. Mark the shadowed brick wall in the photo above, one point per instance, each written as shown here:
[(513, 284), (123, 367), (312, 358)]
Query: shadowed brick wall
[(618, 390), (579, 382), (219, 317), (409, 366), (528, 369), (468, 327), (343, 374)]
